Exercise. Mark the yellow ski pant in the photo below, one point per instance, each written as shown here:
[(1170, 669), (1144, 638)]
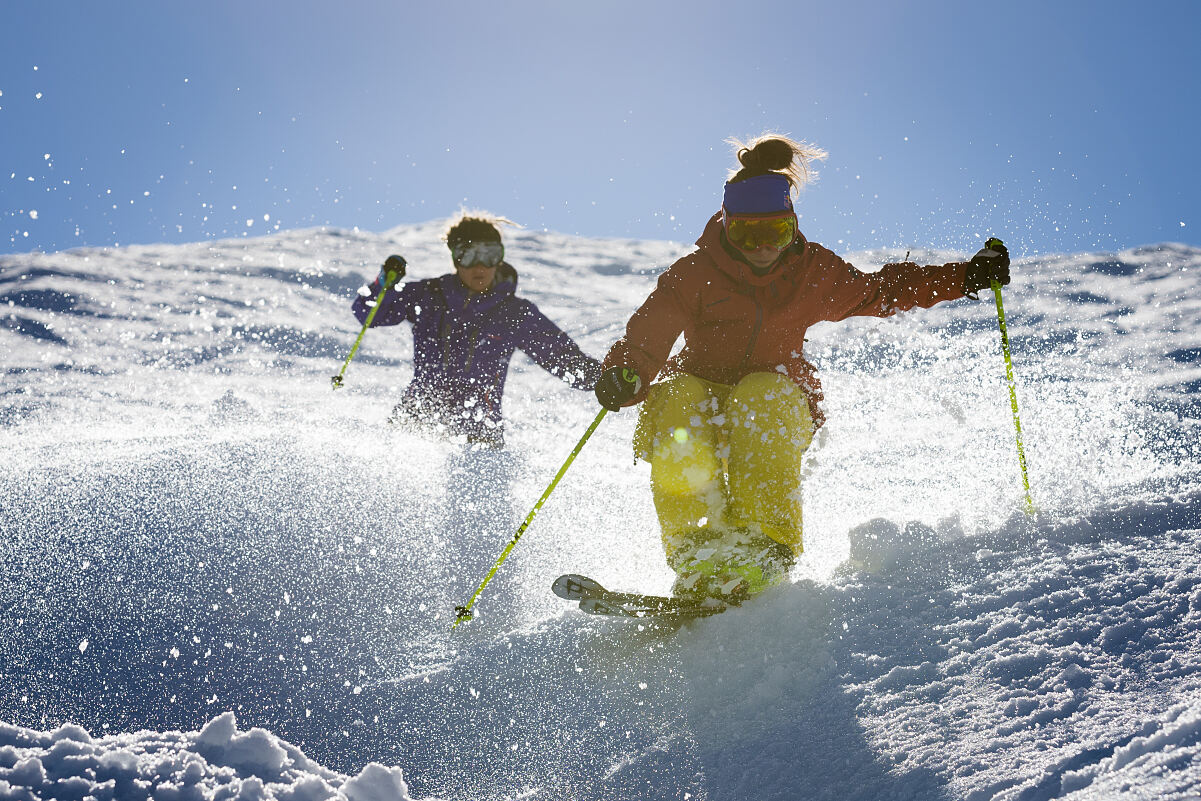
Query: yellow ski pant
[(725, 457)]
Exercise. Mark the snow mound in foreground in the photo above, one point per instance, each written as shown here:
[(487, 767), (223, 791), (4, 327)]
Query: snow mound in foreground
[(215, 763)]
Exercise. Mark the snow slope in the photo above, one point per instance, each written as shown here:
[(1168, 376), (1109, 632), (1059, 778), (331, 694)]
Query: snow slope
[(196, 527)]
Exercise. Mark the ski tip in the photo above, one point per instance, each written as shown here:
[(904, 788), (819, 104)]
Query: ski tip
[(574, 587)]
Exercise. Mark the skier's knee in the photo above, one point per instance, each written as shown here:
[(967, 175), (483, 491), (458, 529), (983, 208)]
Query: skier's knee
[(770, 406), (683, 394), (674, 418)]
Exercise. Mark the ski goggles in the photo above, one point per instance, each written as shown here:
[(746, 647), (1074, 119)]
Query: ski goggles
[(470, 254), (752, 233)]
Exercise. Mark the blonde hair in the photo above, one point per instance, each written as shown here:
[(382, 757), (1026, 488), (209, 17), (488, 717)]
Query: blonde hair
[(776, 153)]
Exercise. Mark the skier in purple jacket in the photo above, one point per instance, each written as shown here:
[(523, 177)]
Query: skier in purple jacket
[(466, 326)]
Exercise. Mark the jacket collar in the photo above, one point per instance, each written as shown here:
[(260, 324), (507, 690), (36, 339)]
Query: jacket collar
[(458, 297), (713, 244)]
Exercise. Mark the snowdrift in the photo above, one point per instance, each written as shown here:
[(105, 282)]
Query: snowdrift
[(216, 762)]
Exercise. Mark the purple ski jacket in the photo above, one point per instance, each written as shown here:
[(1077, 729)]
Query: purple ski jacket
[(462, 345)]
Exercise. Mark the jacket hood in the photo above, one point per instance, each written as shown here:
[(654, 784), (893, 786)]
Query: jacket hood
[(712, 243)]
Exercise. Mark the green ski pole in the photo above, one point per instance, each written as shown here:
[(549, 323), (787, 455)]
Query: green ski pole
[(1013, 393), (394, 270), (464, 613)]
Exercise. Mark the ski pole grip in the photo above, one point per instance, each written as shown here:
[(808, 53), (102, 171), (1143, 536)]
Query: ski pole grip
[(394, 270), (992, 243)]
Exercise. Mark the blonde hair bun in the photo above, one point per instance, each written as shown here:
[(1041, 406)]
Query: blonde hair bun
[(770, 152)]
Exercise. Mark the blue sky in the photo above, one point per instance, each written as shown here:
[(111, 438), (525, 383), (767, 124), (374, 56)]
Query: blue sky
[(1060, 126)]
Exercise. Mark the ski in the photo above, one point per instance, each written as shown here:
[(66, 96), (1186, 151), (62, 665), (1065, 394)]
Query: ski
[(596, 600)]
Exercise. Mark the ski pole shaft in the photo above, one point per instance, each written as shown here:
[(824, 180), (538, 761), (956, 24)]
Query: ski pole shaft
[(463, 613), (1013, 393), (393, 271), (337, 380)]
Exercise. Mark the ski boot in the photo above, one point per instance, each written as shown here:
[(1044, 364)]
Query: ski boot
[(732, 565)]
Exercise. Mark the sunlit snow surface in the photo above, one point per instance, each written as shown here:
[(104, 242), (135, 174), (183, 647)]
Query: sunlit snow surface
[(194, 524)]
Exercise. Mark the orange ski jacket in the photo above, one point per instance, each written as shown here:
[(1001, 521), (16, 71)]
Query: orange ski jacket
[(736, 323)]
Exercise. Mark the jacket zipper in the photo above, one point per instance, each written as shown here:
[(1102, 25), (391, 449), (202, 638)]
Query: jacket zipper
[(472, 342), (750, 346), (445, 337), (473, 339)]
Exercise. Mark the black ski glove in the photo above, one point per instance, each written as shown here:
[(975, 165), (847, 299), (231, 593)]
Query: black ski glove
[(617, 387), (391, 273), (990, 264)]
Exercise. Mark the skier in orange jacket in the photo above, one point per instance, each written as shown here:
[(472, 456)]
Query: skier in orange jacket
[(725, 425)]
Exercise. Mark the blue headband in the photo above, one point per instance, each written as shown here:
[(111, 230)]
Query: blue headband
[(762, 194)]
